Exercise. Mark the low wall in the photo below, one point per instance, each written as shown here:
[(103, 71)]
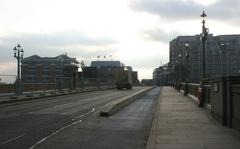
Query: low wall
[(236, 106), (7, 88)]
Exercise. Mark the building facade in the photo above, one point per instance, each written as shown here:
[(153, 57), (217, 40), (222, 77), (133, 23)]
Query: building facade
[(222, 57), (56, 70), (162, 76), (106, 69), (157, 76)]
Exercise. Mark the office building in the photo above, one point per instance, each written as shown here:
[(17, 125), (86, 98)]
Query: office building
[(106, 69), (222, 57), (56, 70)]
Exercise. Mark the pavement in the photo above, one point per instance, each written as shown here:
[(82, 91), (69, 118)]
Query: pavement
[(180, 124), (117, 105)]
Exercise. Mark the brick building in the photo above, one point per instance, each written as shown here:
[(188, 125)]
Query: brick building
[(39, 70)]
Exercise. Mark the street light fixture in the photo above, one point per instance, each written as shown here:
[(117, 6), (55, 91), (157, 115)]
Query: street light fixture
[(186, 55), (61, 75), (179, 71), (204, 76), (18, 54), (186, 69), (226, 60)]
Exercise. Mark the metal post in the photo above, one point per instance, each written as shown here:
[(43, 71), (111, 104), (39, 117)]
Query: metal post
[(18, 54), (186, 70), (82, 75), (226, 60), (180, 71), (204, 76)]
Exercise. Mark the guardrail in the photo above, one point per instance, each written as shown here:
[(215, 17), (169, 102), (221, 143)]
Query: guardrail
[(192, 89), (28, 88)]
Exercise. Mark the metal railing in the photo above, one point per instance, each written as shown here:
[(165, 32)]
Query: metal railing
[(59, 86), (192, 89)]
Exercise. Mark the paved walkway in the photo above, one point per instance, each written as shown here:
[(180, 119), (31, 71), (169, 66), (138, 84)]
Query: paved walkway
[(179, 124)]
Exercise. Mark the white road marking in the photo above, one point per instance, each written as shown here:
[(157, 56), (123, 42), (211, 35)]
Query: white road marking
[(59, 130), (13, 139), (83, 115)]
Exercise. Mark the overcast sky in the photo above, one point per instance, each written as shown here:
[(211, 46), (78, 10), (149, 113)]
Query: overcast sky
[(136, 32)]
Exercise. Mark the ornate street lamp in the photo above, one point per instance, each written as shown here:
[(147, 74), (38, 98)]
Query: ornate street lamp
[(204, 76), (186, 68), (18, 54), (226, 57), (187, 56)]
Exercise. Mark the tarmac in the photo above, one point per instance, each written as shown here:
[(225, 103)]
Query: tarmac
[(27, 96), (180, 124)]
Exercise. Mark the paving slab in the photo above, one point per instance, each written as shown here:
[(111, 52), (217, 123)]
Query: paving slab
[(180, 124)]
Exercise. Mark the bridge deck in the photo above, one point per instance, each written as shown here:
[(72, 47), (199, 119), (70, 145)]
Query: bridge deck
[(180, 124)]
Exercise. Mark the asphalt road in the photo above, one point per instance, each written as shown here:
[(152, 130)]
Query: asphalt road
[(23, 124), (127, 129)]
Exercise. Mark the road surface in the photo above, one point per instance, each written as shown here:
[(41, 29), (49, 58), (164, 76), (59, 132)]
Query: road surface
[(34, 124)]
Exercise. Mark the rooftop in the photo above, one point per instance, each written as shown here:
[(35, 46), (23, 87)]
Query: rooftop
[(60, 57), (107, 64)]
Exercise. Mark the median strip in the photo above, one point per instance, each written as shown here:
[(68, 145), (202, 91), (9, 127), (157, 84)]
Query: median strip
[(120, 103)]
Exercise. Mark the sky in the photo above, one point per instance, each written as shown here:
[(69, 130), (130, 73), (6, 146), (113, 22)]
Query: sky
[(136, 32)]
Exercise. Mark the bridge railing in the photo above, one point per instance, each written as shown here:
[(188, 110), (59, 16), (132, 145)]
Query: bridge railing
[(64, 85), (192, 89)]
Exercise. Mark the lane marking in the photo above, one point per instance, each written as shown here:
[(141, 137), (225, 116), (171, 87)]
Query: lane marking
[(61, 129), (83, 114), (54, 133), (13, 139)]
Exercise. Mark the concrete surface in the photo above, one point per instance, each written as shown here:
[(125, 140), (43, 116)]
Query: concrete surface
[(126, 129), (180, 124), (27, 96), (22, 124), (117, 105)]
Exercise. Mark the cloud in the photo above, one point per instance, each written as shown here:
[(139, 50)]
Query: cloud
[(168, 9), (225, 10), (58, 39), (145, 67), (53, 44), (158, 34), (75, 44), (142, 63), (175, 10)]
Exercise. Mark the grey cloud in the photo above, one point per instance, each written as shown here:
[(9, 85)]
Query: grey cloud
[(178, 10), (168, 9), (225, 9), (146, 63), (59, 39), (158, 35), (52, 44)]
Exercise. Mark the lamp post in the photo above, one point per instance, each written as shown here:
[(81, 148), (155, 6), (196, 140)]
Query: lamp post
[(178, 67), (187, 57), (61, 75), (186, 70), (204, 76), (226, 60), (18, 54)]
